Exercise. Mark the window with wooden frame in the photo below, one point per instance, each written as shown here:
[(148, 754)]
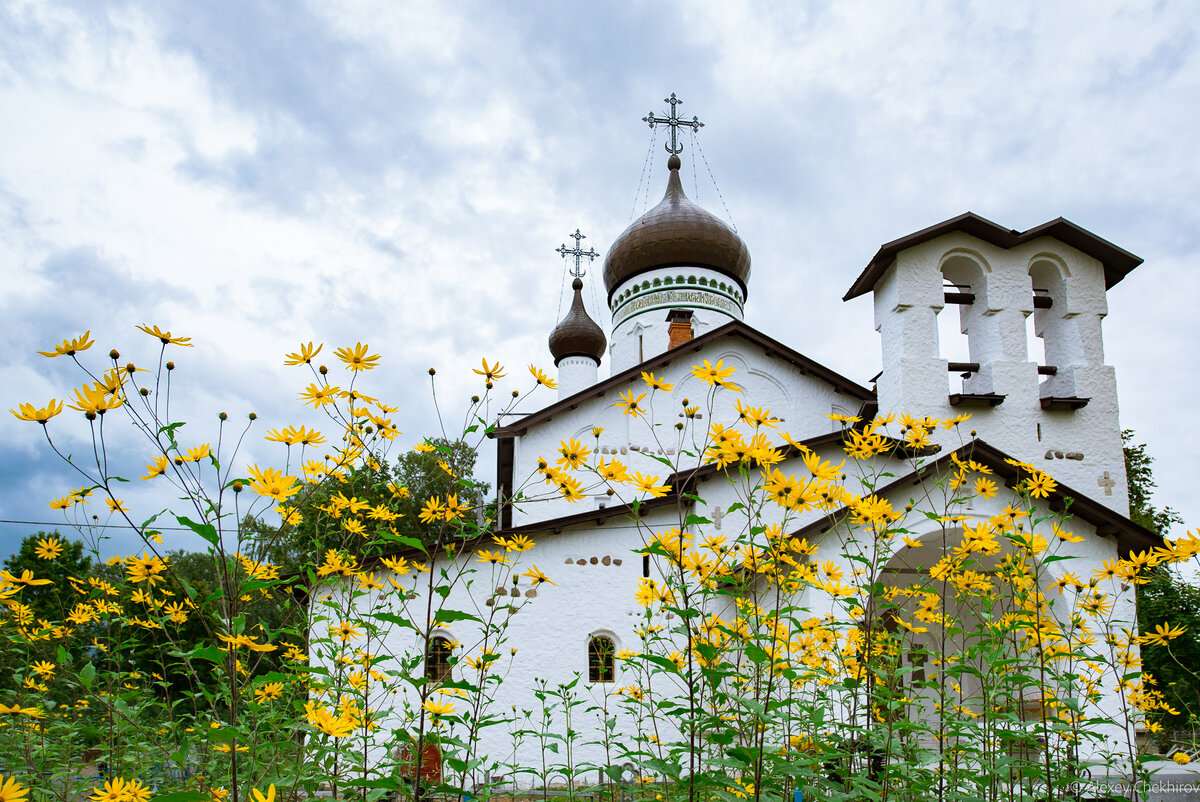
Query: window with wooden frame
[(600, 659), (437, 659)]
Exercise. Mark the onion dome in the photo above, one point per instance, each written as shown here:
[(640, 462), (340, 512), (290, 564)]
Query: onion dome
[(577, 334), (676, 232)]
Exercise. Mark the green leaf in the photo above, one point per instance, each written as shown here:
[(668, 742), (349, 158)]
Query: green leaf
[(392, 618), (206, 531), (695, 520), (444, 616), (182, 796), (86, 675), (209, 653)]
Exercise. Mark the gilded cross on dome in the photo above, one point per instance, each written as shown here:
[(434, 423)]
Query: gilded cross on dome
[(674, 123), (578, 270)]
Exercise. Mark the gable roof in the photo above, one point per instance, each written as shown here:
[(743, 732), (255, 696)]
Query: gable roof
[(1117, 261), (735, 328), (1130, 536)]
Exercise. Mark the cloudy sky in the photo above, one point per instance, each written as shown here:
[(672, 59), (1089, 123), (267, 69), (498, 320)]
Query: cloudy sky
[(257, 175)]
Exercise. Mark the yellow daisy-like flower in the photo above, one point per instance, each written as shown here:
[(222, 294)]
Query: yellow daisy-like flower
[(71, 347), (305, 356), (656, 383), (112, 791), (357, 358), (48, 548), (537, 576), (542, 378), (438, 708), (35, 415), (712, 374), (629, 404), (62, 503), (491, 374), (259, 796), (156, 468), (11, 790), (165, 336)]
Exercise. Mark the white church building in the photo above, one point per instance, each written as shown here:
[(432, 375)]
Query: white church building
[(676, 283)]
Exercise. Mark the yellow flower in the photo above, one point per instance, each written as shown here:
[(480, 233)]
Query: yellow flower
[(436, 708), (630, 403), (260, 797), (491, 374), (307, 352), (495, 558), (574, 454), (159, 466), (319, 396), (656, 383), (49, 548), (541, 378), (1040, 485), (1182, 758), (272, 483), (70, 347), (95, 398), (34, 415), (198, 453), (268, 691), (345, 631), (646, 484), (62, 503), (113, 791), (712, 374), (985, 488), (115, 505), (537, 576), (1161, 634), (165, 336), (357, 358), (11, 790)]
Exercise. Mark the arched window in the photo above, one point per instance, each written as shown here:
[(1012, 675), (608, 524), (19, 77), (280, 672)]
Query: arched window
[(437, 659), (600, 659)]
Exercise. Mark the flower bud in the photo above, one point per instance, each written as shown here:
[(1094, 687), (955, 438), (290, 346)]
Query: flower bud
[(488, 385), (130, 368), (474, 399), (679, 425), (222, 416), (611, 492), (170, 366), (179, 460), (322, 370), (515, 393), (90, 415), (685, 402), (237, 487), (432, 372), (252, 416), (114, 355), (145, 391)]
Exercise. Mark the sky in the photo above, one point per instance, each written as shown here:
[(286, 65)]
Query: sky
[(255, 175)]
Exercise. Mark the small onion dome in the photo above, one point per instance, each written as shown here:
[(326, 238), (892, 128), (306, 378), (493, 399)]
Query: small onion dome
[(676, 232), (577, 334)]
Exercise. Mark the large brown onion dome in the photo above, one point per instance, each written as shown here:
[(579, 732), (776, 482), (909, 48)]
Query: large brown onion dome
[(674, 233), (577, 334)]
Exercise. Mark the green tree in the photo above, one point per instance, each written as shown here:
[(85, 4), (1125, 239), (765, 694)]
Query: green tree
[(1140, 476), (1166, 598)]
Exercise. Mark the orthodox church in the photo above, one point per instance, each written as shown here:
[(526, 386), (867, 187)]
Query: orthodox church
[(676, 283)]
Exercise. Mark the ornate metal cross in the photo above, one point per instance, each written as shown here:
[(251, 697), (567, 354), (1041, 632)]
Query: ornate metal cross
[(578, 270), (674, 123)]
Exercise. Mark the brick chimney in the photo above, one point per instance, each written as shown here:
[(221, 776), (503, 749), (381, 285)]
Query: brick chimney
[(680, 329)]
